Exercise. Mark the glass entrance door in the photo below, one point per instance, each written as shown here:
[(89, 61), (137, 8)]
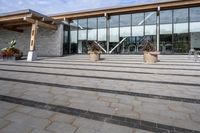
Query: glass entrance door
[(66, 40)]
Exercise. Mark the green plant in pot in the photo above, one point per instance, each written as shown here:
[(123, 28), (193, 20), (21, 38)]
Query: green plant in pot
[(94, 51), (11, 51), (150, 54)]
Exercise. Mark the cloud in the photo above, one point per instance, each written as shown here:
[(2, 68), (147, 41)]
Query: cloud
[(59, 6)]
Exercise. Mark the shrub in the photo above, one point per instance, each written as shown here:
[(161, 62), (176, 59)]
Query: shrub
[(11, 51), (148, 46), (93, 47)]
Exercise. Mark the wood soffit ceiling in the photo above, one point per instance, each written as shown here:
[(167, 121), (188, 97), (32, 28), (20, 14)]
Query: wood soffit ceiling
[(15, 20)]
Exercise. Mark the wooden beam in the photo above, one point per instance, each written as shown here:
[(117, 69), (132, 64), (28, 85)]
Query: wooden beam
[(15, 24), (13, 18), (33, 35), (42, 24), (13, 29)]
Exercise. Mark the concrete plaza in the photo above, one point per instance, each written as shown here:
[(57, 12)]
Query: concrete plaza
[(118, 94)]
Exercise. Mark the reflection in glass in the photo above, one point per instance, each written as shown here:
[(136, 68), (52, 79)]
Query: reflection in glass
[(92, 29), (82, 29), (66, 43), (114, 21), (125, 31), (195, 27), (150, 27), (114, 33), (137, 32), (125, 20), (166, 31), (101, 29), (181, 36), (73, 36), (101, 34), (125, 25)]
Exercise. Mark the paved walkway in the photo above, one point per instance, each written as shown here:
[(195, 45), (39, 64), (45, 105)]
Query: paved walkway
[(119, 94)]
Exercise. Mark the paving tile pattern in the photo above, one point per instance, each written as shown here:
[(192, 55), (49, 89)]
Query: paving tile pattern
[(162, 97)]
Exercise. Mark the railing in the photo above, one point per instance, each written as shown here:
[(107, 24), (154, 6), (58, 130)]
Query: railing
[(194, 54), (100, 46), (118, 45)]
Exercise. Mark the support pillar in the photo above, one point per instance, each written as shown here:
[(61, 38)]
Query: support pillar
[(31, 54), (107, 32)]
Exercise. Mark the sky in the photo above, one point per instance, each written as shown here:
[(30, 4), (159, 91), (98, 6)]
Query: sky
[(48, 7)]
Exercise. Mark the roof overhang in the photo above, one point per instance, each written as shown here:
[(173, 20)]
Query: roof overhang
[(169, 4), (15, 20)]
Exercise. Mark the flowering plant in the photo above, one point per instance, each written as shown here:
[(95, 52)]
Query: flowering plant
[(11, 51)]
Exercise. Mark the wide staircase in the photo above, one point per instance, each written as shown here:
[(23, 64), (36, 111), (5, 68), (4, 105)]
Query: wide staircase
[(118, 94)]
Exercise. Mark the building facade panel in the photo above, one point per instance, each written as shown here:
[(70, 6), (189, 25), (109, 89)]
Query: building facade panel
[(178, 30), (48, 42)]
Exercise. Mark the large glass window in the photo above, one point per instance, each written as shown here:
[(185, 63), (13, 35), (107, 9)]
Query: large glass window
[(138, 24), (92, 28), (73, 36), (125, 31), (181, 21), (195, 27), (82, 29), (166, 31), (125, 25), (101, 29), (181, 37), (114, 29), (150, 23), (150, 27), (102, 32), (66, 43), (114, 33), (137, 32)]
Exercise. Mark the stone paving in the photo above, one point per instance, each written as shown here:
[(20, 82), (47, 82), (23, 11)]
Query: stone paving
[(109, 96)]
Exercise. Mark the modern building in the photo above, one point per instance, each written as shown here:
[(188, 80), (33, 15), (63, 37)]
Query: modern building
[(172, 26)]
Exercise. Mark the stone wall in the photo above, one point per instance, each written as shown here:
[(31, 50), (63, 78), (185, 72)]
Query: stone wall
[(48, 42)]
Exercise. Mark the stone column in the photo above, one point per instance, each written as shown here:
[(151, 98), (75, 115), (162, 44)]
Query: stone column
[(31, 54)]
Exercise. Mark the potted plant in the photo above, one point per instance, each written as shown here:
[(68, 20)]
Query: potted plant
[(150, 54), (11, 53), (94, 51)]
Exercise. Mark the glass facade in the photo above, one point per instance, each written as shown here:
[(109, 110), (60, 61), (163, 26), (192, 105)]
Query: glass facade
[(113, 32), (195, 27), (125, 32), (179, 31), (73, 37), (166, 45), (137, 32), (102, 31)]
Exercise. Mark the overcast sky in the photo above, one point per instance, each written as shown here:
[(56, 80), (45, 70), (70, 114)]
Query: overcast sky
[(59, 6)]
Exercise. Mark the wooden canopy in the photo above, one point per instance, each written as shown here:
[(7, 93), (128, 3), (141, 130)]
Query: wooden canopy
[(15, 20), (164, 4)]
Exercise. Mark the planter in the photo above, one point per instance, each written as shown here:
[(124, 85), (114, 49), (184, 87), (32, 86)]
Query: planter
[(11, 58), (94, 56), (18, 56), (151, 57)]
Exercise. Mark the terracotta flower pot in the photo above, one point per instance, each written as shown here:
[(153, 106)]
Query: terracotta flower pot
[(151, 57), (94, 56)]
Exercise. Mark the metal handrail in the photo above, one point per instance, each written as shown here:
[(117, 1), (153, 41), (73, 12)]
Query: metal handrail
[(100, 46), (117, 45), (195, 54)]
